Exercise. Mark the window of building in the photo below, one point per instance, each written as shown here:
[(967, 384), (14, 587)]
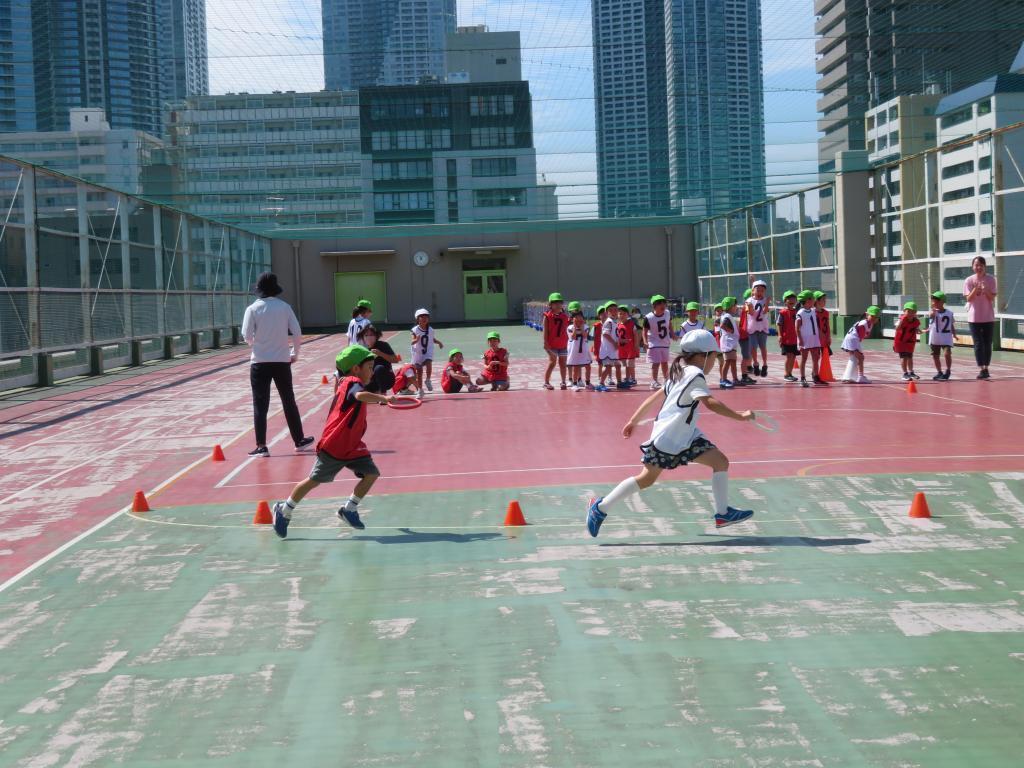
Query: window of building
[(959, 116), (494, 166), (403, 201), (483, 105), (493, 136), (986, 243), (959, 246), (955, 222), (985, 217), (984, 107), (984, 163), (497, 198), (960, 169), (958, 194)]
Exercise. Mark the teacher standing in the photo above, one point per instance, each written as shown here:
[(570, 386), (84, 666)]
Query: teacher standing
[(980, 293), (266, 327)]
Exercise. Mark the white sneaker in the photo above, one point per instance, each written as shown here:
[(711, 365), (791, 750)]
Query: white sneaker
[(655, 385), (863, 380), (429, 385)]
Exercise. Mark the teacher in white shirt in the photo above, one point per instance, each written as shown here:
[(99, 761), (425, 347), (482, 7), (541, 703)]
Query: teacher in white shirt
[(266, 327)]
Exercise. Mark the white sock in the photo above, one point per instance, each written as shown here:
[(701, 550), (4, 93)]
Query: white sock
[(289, 507), (620, 492), (720, 490), (353, 501)]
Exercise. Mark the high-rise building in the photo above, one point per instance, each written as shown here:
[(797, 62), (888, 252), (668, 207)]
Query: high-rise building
[(871, 51), (17, 102), (384, 42), (476, 55), (715, 105), (631, 107), (183, 42)]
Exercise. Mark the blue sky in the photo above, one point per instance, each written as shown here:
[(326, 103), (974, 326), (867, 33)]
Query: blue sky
[(265, 45)]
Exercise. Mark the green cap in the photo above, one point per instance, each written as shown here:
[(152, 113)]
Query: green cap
[(556, 296), (873, 311), (574, 306), (728, 302), (692, 305), (657, 297), (611, 303), (494, 335), (939, 295), (719, 306), (788, 294), (911, 305), (454, 352), (804, 296), (351, 356), (748, 293), (818, 295), (364, 304)]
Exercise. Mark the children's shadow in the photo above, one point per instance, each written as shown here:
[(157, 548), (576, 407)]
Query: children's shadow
[(750, 541), (410, 536)]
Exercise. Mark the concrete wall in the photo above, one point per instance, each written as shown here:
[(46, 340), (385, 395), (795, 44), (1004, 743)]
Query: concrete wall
[(584, 262)]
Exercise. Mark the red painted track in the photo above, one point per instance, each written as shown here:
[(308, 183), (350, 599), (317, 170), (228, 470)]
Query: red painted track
[(74, 458)]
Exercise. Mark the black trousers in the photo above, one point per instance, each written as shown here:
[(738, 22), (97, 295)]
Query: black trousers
[(260, 376), (981, 333)]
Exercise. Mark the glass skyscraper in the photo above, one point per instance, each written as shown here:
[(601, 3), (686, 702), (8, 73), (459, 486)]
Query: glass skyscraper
[(183, 41), (384, 42), (17, 94)]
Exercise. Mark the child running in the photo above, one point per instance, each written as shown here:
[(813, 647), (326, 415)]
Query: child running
[(341, 443), (787, 333), (676, 439), (423, 343), (941, 335), (625, 332), (454, 376), (908, 328), (729, 340), (808, 332), (657, 336), (555, 331), (360, 319), (851, 344), (579, 351), (757, 325), (495, 370)]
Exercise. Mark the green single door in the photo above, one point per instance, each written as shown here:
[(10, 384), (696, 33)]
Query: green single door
[(350, 287), (485, 297)]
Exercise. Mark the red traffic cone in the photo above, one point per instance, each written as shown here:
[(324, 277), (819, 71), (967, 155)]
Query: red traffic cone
[(911, 387), (825, 367), (218, 454), (323, 379), (514, 515), (263, 516), (139, 503), (919, 506)]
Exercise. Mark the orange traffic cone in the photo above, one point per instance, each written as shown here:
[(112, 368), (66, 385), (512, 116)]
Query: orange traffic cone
[(262, 516), (218, 454), (514, 515), (825, 367), (911, 387), (919, 507), (323, 379), (139, 503)]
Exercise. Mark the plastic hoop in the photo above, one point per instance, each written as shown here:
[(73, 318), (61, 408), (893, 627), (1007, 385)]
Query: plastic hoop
[(765, 422), (405, 403)]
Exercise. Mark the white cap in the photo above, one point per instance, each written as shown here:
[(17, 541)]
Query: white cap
[(422, 311), (762, 283), (698, 341)]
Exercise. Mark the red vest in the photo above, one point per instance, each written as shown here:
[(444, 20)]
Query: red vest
[(787, 326), (501, 355), (556, 330), (343, 433)]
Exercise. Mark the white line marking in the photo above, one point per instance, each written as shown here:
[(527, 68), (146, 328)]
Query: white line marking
[(957, 400), (813, 460)]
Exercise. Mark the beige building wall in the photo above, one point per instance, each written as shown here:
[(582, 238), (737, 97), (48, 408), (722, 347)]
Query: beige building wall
[(585, 262)]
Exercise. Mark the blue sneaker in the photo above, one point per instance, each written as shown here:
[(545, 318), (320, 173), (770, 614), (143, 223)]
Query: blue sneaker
[(622, 385), (595, 517), (280, 521), (733, 516), (600, 388), (351, 517)]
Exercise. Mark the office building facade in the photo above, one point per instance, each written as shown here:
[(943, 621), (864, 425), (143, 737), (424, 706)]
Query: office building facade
[(384, 42), (476, 55), (183, 42)]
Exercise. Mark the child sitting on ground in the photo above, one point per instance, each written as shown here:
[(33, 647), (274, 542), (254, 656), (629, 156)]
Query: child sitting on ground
[(454, 376), (495, 370)]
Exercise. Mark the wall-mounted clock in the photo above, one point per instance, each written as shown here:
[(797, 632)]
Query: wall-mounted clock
[(421, 258)]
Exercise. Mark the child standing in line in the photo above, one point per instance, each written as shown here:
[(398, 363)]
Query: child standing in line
[(579, 351), (746, 364), (941, 335), (572, 308), (595, 350), (423, 343), (609, 359), (759, 308), (555, 330), (787, 333), (852, 343), (625, 332), (360, 319), (908, 328), (729, 341), (808, 332), (454, 376), (495, 370), (675, 439), (341, 443), (717, 333), (657, 335), (824, 321), (692, 321)]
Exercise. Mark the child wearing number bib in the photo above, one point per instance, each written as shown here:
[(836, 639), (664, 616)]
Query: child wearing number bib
[(657, 337), (941, 335), (579, 351), (423, 343)]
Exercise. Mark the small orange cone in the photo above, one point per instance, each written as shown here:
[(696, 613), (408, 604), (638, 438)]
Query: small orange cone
[(514, 515), (398, 358), (139, 503), (323, 379), (919, 507), (912, 387), (262, 516), (825, 367), (218, 454)]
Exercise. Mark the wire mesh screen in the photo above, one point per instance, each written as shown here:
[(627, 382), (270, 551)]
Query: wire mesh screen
[(107, 316), (14, 323), (61, 319)]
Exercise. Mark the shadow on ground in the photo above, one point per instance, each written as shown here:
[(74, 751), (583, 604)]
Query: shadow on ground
[(750, 541)]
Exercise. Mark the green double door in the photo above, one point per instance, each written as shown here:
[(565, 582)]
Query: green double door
[(485, 296), (350, 287)]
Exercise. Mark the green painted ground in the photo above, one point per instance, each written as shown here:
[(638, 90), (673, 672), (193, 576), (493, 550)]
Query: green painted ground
[(839, 634)]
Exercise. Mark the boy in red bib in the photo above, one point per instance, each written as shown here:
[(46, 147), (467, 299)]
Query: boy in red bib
[(341, 445), (454, 376), (555, 328), (908, 328), (625, 331), (495, 364), (787, 333)]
